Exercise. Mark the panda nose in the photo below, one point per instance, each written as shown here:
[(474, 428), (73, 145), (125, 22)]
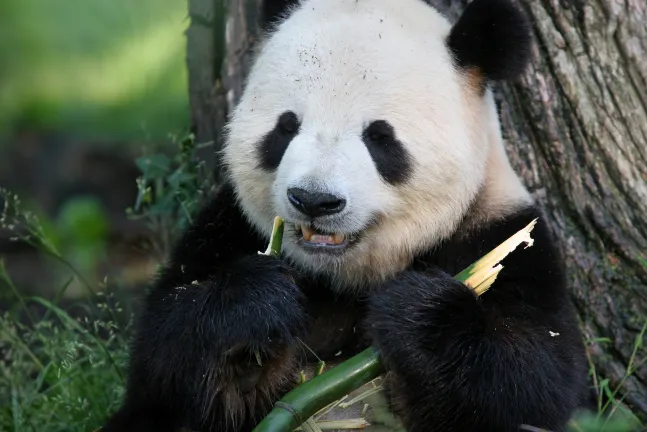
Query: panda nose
[(315, 204)]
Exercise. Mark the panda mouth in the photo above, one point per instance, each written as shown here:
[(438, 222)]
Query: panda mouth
[(318, 239)]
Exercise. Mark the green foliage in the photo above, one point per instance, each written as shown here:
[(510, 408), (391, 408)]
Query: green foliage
[(82, 230), (25, 224), (624, 421), (84, 220), (94, 68), (171, 190), (58, 373), (77, 237), (612, 414)]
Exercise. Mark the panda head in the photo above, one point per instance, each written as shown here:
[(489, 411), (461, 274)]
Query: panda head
[(369, 126)]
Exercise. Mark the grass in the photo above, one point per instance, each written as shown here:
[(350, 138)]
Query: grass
[(59, 373), (62, 367), (59, 370), (612, 413)]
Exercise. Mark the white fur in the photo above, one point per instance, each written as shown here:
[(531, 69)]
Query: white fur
[(340, 64)]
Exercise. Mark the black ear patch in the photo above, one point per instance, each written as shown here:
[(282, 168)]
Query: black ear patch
[(389, 155), (276, 142), (493, 38), (274, 11)]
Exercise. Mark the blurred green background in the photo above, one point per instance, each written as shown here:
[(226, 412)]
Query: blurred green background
[(94, 68), (86, 88), (94, 118)]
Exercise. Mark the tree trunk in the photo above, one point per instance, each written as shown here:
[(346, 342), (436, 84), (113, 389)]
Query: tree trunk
[(576, 125), (219, 41)]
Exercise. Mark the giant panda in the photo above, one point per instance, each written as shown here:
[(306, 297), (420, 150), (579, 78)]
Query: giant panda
[(371, 128)]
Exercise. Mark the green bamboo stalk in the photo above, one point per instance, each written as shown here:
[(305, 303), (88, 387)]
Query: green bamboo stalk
[(308, 398), (276, 239)]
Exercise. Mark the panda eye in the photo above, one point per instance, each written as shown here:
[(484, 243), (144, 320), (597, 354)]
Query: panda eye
[(390, 156), (288, 123), (377, 136), (274, 144), (379, 131)]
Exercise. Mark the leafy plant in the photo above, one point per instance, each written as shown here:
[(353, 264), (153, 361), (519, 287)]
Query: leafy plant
[(60, 372), (171, 190)]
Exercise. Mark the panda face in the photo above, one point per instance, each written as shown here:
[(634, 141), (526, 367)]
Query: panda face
[(359, 130), (333, 182)]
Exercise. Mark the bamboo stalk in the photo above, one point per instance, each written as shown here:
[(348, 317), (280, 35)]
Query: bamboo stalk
[(276, 239), (340, 424), (478, 275), (304, 401), (295, 408)]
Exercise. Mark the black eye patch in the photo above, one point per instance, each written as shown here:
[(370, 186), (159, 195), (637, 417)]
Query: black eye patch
[(391, 159), (275, 143)]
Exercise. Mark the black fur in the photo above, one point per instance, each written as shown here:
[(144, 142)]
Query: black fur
[(493, 37), (391, 158), (459, 363), (273, 11), (462, 363), (276, 142), (217, 303)]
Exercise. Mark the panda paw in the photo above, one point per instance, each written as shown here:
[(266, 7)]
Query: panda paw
[(259, 316), (417, 317), (218, 353)]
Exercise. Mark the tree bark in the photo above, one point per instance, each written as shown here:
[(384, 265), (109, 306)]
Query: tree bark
[(576, 125), (219, 42)]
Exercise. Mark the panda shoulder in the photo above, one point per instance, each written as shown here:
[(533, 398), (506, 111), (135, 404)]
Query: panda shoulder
[(219, 231), (540, 263)]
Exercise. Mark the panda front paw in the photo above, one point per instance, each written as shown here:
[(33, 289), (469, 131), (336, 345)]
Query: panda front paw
[(259, 314), (219, 352), (417, 317)]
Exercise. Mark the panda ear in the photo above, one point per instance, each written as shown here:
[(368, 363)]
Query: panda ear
[(274, 11), (492, 40)]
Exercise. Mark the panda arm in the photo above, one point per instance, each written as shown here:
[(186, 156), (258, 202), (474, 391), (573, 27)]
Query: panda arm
[(216, 305), (511, 357)]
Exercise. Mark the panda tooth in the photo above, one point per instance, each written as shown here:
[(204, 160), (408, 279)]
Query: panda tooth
[(307, 233), (339, 238)]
